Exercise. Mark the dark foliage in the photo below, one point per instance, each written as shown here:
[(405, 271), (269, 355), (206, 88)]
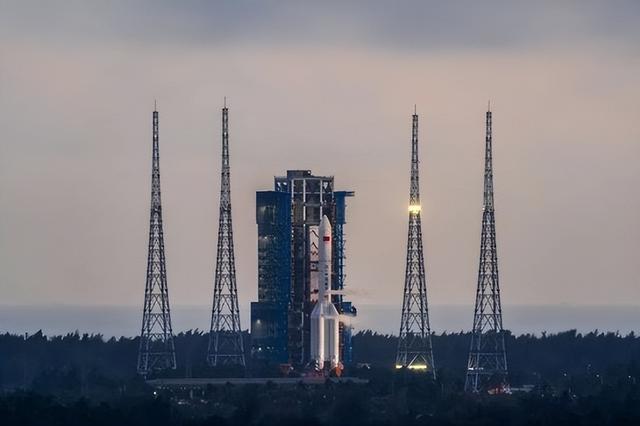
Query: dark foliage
[(530, 358), (577, 379)]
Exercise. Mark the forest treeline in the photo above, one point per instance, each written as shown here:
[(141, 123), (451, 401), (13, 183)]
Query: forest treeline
[(572, 379), (530, 358), (40, 362)]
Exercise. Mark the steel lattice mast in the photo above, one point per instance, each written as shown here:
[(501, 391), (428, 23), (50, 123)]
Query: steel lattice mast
[(225, 336), (414, 345), (487, 366), (157, 351)]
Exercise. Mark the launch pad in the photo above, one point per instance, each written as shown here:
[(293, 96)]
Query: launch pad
[(286, 381)]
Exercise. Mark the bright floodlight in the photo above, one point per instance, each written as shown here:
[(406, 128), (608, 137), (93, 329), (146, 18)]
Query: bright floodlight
[(413, 367), (418, 367)]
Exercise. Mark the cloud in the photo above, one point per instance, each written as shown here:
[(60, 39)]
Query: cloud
[(405, 25)]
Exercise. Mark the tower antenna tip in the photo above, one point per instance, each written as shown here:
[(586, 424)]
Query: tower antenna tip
[(225, 101), (415, 109), (155, 105)]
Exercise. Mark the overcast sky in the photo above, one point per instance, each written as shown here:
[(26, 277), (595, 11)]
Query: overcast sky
[(331, 88)]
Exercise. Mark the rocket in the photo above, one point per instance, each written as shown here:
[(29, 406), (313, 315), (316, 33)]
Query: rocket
[(325, 331)]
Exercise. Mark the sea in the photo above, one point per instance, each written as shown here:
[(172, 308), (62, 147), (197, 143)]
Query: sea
[(116, 321)]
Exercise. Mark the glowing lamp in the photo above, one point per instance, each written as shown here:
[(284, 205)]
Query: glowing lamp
[(413, 367), (417, 367)]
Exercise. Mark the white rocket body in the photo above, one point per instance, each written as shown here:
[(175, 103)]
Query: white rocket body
[(325, 320)]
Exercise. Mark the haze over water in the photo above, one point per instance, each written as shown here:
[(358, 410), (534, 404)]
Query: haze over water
[(125, 320)]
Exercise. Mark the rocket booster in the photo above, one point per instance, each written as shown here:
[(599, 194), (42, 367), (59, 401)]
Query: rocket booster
[(325, 327)]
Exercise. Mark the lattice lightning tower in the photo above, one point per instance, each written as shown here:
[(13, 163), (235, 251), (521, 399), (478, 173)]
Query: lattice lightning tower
[(157, 351), (414, 345), (225, 336), (487, 366)]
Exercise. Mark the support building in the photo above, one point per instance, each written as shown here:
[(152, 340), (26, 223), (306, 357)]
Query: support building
[(288, 219)]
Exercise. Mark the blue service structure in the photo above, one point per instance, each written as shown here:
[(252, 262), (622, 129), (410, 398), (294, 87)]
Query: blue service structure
[(288, 219)]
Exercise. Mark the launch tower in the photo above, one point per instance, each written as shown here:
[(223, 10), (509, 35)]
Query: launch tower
[(487, 366), (225, 336), (414, 345), (288, 220), (157, 351)]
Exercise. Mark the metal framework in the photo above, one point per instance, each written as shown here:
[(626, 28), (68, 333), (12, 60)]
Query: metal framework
[(226, 346), (414, 345), (157, 351), (345, 308), (487, 366)]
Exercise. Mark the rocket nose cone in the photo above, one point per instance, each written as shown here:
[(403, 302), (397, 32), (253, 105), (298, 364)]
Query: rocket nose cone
[(325, 225)]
